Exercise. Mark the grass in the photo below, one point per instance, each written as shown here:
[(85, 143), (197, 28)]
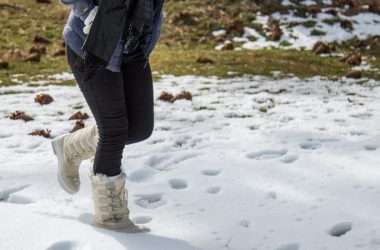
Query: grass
[(331, 21), (285, 43), (316, 32), (309, 23), (259, 62), (185, 37)]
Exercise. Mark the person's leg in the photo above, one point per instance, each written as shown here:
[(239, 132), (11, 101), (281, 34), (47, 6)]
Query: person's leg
[(138, 91), (104, 93)]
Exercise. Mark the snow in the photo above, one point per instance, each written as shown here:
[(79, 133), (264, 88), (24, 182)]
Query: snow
[(62, 76), (219, 32), (250, 163), (297, 36)]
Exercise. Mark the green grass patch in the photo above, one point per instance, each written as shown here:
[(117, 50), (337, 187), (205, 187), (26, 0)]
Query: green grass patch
[(260, 62), (309, 24), (316, 32), (285, 43), (331, 21), (12, 92)]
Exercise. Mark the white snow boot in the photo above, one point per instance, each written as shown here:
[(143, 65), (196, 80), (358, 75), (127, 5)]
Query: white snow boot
[(111, 203), (71, 149)]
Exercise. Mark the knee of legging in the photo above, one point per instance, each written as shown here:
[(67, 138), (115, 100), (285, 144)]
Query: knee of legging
[(114, 134)]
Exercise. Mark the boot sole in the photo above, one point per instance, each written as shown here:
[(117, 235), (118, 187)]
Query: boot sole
[(122, 230), (57, 149)]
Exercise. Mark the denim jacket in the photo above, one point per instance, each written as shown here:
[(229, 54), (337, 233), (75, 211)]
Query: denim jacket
[(75, 38)]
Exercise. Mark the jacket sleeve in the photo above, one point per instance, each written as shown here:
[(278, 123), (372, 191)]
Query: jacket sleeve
[(80, 8), (157, 34)]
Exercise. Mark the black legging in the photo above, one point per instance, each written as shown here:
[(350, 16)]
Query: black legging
[(122, 105)]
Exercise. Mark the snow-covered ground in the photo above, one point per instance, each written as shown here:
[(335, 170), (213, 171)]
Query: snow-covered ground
[(250, 163), (298, 31)]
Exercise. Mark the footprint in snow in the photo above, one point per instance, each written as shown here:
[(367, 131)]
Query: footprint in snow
[(213, 190), (357, 133), (289, 158), (340, 229), (362, 116), (13, 145), (141, 175), (178, 183), (291, 246), (161, 162), (370, 147), (19, 199), (155, 160), (245, 223), (21, 151), (253, 127), (150, 201), (211, 172), (375, 242), (339, 120), (142, 219), (267, 154), (5, 135), (6, 194), (310, 145), (156, 141), (65, 245), (163, 128), (33, 145), (271, 195)]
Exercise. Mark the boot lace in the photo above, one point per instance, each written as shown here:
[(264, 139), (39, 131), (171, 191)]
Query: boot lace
[(116, 206), (79, 156)]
